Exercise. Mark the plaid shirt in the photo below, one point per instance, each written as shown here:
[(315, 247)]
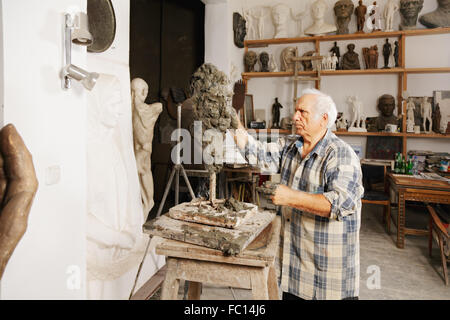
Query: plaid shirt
[(318, 257)]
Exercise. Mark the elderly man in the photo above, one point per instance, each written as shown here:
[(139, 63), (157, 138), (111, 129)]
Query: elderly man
[(320, 202)]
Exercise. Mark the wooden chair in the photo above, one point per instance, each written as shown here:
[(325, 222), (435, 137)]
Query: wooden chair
[(437, 226), (378, 197)]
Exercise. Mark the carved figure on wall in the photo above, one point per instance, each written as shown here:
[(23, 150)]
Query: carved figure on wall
[(396, 53), (286, 59), (280, 14), (386, 106), (144, 119), (343, 9), (18, 186), (439, 17), (389, 10), (437, 119), (409, 11), (307, 64), (387, 50), (239, 30), (273, 64), (335, 50), (276, 114), (426, 112), (319, 25), (350, 60), (250, 22), (250, 59), (360, 12), (264, 62), (258, 15), (299, 19)]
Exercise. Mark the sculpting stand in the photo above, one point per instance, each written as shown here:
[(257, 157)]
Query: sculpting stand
[(175, 172)]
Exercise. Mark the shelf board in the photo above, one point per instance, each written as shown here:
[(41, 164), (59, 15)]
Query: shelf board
[(428, 135), (351, 36), (362, 71), (364, 134), (427, 70), (280, 131)]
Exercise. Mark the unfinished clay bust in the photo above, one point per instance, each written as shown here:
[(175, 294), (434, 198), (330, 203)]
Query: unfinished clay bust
[(280, 14), (319, 25), (18, 185), (144, 119), (350, 60), (286, 59), (439, 17), (409, 10), (343, 9), (212, 105), (239, 29), (250, 59)]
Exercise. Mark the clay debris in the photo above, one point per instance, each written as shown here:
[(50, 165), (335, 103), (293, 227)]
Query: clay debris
[(268, 188)]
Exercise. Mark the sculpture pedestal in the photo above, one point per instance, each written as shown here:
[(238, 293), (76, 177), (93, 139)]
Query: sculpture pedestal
[(355, 129)]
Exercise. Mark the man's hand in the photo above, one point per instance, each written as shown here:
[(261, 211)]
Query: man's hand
[(282, 195)]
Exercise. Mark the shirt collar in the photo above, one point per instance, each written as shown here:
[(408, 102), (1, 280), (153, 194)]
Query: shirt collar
[(319, 148)]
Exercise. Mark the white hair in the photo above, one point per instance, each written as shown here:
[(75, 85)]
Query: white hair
[(324, 104)]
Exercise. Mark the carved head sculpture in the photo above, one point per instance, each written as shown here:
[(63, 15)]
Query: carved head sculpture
[(409, 10), (343, 8), (239, 29), (439, 17), (386, 105), (250, 59), (280, 13), (318, 9), (286, 59), (264, 60)]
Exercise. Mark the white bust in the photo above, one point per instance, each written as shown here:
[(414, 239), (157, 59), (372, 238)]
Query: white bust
[(280, 14), (319, 26)]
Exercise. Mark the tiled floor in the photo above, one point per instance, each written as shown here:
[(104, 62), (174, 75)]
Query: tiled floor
[(406, 273)]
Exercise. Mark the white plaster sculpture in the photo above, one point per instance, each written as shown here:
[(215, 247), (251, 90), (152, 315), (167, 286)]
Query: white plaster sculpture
[(356, 107), (425, 110), (341, 123), (334, 61), (329, 62), (410, 107), (250, 23), (373, 21), (115, 241), (324, 63), (319, 26), (280, 15), (144, 119), (389, 10), (299, 19), (316, 63), (273, 64), (258, 14)]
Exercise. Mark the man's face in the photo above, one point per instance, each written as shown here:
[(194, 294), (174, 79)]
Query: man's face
[(304, 119), (410, 8), (343, 9), (386, 106)]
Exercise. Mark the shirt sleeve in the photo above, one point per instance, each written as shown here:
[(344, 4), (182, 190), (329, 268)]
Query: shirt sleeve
[(264, 155), (343, 183)]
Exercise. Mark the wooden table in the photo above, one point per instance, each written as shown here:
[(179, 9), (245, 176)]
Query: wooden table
[(414, 189), (253, 269)]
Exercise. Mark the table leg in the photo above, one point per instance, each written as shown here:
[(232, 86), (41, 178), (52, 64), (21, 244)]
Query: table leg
[(444, 260), (171, 284), (195, 290), (401, 220), (272, 284), (258, 278)]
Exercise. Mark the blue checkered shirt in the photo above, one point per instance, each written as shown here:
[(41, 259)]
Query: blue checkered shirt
[(318, 257)]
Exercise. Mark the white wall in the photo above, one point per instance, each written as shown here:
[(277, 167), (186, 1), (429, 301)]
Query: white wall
[(421, 51), (52, 123)]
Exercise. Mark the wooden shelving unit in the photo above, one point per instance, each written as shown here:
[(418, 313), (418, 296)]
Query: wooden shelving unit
[(401, 72)]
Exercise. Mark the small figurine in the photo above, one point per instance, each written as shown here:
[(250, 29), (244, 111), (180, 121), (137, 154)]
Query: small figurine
[(355, 123), (360, 12), (239, 30), (410, 108), (343, 10), (319, 25), (334, 62), (350, 60), (373, 57), (425, 110), (264, 62), (286, 59), (396, 49), (389, 10), (341, 122), (437, 119), (387, 50), (409, 10), (276, 114), (335, 51), (374, 19), (250, 59), (439, 17)]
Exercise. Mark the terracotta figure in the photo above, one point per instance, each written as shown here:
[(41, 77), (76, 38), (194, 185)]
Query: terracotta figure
[(360, 12)]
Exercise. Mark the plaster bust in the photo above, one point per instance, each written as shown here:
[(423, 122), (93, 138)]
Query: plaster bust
[(250, 59), (409, 10), (386, 106), (239, 29), (286, 59), (343, 10), (319, 26), (439, 17), (280, 13)]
